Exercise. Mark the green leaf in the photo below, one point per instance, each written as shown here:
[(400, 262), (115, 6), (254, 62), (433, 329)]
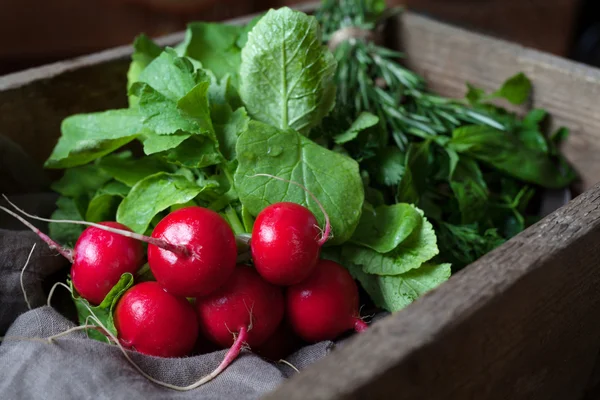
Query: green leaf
[(393, 293), (243, 38), (516, 89), (530, 134), (375, 7), (228, 127), (86, 137), (129, 170), (194, 105), (505, 152), (160, 113), (81, 181), (171, 76), (389, 166), (215, 46), (364, 121), (154, 143), (286, 72), (195, 152), (474, 94), (331, 177), (420, 246), (152, 195), (104, 311), (222, 93), (384, 228), (247, 219), (463, 244), (470, 190), (66, 234), (416, 171), (145, 50), (103, 207), (104, 204)]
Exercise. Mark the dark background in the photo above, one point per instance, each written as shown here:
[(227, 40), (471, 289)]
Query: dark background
[(34, 32)]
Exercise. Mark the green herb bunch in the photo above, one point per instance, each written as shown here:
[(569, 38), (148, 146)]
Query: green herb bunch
[(391, 163), (473, 167)]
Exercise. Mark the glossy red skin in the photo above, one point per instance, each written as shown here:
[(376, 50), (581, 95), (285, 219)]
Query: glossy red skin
[(325, 305), (100, 258), (284, 243), (154, 322), (224, 312), (213, 252)]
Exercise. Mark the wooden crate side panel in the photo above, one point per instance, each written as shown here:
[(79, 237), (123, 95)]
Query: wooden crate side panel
[(520, 323), (448, 57), (31, 115)]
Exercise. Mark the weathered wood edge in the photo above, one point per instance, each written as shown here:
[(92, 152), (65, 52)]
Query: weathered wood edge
[(48, 71), (520, 323)]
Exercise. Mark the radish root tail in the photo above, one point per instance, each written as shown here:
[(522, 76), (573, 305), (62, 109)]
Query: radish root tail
[(163, 244), (21, 277), (65, 252), (327, 231), (360, 325)]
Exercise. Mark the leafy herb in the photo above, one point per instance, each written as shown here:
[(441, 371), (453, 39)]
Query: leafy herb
[(400, 170)]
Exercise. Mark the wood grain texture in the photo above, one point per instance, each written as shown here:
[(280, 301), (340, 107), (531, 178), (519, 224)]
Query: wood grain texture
[(520, 323), (545, 25)]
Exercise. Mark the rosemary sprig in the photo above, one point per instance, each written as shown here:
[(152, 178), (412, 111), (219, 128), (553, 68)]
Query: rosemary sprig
[(370, 78)]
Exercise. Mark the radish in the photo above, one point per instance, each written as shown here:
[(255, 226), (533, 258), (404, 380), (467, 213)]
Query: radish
[(285, 242), (325, 305), (154, 322), (192, 251), (245, 301), (280, 344), (209, 258), (99, 258)]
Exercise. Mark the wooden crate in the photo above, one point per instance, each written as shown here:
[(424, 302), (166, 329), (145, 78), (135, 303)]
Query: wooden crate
[(520, 323)]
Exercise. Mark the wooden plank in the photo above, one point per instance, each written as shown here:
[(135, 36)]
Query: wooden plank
[(448, 57), (545, 25), (520, 323)]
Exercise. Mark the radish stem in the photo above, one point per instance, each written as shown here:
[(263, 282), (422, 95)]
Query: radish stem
[(66, 253), (234, 221), (163, 244)]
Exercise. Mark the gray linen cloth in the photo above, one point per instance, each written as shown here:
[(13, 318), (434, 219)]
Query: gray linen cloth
[(75, 367)]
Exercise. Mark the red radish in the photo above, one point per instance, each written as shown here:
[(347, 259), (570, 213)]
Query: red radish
[(325, 305), (192, 250), (280, 344), (99, 258), (245, 301), (285, 240), (154, 322), (211, 249)]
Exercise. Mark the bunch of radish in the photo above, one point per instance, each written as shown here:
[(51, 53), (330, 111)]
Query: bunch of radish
[(202, 293)]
